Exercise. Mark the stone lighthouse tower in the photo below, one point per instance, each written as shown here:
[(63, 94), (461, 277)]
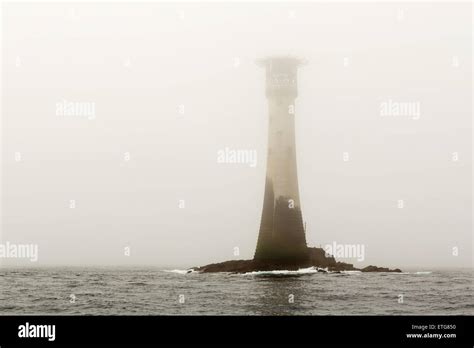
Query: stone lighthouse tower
[(282, 234)]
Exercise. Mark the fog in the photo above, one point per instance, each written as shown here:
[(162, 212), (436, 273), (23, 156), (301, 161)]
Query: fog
[(113, 116)]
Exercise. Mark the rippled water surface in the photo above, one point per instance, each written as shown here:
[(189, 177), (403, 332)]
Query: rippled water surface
[(105, 291)]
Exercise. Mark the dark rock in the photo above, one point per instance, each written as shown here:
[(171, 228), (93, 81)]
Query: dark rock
[(316, 258), (245, 266), (379, 269), (342, 266)]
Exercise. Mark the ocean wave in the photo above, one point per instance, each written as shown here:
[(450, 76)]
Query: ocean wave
[(137, 283)]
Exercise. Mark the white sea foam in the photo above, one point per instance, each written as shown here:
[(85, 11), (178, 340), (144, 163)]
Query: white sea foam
[(419, 273), (301, 271), (180, 271)]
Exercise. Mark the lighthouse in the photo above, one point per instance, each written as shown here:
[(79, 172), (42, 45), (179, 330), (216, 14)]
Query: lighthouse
[(281, 243), (282, 234)]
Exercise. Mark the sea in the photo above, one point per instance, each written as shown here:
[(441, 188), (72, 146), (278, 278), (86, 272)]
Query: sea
[(156, 291)]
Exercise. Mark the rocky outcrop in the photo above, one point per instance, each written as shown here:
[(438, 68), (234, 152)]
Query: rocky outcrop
[(317, 258), (379, 269)]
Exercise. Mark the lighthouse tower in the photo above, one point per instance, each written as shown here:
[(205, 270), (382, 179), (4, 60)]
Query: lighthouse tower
[(282, 234)]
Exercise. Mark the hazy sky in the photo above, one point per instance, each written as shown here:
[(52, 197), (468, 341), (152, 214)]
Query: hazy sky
[(173, 84)]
